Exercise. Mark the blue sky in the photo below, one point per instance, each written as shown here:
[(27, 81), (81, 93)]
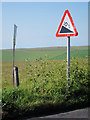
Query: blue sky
[(38, 22)]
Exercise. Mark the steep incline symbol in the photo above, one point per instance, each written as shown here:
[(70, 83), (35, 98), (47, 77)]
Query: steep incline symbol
[(65, 30)]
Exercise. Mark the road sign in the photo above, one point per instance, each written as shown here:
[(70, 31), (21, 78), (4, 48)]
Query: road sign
[(66, 27)]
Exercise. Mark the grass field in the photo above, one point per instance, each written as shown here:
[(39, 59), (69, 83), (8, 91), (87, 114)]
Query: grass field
[(43, 82), (53, 53), (21, 55)]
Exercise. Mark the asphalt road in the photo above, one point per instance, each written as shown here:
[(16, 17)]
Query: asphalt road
[(80, 113)]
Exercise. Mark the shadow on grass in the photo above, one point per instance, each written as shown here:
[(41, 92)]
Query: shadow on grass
[(43, 110)]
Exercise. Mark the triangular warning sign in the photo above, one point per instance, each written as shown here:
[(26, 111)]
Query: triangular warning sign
[(66, 27)]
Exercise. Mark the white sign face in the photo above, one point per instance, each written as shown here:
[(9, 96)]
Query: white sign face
[(15, 30), (67, 26)]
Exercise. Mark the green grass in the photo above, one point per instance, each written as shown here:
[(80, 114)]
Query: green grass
[(43, 81), (43, 85), (55, 53)]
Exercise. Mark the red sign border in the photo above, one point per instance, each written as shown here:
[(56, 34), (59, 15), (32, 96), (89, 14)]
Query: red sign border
[(66, 35)]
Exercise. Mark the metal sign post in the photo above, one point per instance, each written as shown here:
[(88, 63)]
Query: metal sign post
[(68, 60), (67, 29), (14, 40)]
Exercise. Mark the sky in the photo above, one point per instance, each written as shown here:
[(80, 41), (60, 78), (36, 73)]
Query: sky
[(45, 0), (38, 23)]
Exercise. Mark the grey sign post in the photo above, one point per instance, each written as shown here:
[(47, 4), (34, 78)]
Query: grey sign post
[(14, 40), (67, 29), (68, 60)]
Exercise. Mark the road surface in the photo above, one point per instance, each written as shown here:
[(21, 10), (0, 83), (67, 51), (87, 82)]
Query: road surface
[(80, 113)]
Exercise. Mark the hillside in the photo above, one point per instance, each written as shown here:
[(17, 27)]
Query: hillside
[(52, 53)]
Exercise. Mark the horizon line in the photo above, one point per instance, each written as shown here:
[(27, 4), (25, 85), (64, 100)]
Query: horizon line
[(43, 47)]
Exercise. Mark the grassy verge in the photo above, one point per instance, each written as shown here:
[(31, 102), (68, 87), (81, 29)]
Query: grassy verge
[(44, 89)]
